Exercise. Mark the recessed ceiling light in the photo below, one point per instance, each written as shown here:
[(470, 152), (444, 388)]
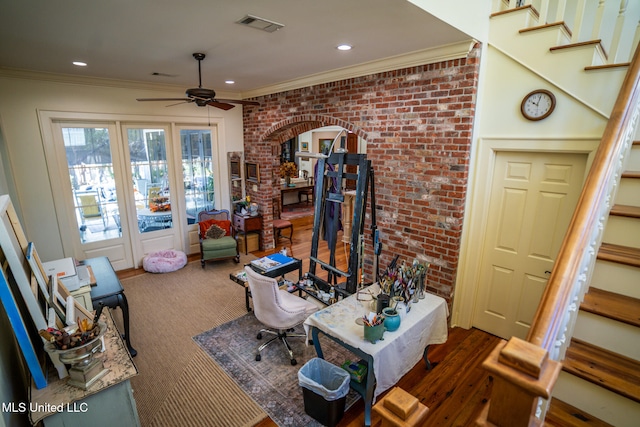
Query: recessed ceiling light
[(344, 47), (229, 82), (80, 63)]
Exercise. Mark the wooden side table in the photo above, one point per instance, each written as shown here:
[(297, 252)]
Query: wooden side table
[(248, 224)]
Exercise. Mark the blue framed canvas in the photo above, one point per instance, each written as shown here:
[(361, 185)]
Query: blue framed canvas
[(21, 333)]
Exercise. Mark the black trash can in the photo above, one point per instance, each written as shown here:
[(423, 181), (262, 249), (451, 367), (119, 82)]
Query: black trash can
[(324, 389)]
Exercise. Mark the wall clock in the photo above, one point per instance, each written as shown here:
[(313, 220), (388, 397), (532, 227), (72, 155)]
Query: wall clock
[(538, 104)]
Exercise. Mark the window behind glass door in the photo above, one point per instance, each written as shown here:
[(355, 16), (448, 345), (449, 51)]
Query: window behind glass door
[(198, 174)]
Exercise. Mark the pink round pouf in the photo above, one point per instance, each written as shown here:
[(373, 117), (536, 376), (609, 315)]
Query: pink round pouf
[(164, 261)]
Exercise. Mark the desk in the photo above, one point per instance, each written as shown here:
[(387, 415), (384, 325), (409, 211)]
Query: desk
[(390, 358), (240, 279), (109, 291), (296, 189)]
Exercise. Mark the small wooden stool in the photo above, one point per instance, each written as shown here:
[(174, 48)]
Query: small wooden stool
[(400, 409)]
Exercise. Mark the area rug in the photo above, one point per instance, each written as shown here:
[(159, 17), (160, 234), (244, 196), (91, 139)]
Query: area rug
[(298, 210), (272, 382)]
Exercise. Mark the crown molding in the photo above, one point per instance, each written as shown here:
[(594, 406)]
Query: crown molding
[(412, 59), (421, 57), (17, 73)]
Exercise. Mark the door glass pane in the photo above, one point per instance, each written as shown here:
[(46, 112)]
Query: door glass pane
[(149, 169), (197, 170), (88, 153)]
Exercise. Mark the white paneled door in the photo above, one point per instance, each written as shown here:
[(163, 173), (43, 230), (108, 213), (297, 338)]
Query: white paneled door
[(532, 199)]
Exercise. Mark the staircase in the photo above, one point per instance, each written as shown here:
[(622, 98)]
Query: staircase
[(599, 384), (601, 370)]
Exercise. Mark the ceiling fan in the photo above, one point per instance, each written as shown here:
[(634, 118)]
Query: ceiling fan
[(202, 96)]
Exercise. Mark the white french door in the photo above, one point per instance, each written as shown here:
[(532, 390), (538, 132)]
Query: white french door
[(153, 189), (89, 195), (123, 190)]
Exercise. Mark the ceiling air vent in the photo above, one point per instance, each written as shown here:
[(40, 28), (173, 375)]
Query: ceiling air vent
[(260, 23)]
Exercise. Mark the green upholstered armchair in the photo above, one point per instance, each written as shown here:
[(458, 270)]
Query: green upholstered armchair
[(214, 247)]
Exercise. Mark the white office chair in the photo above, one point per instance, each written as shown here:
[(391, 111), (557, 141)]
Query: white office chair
[(277, 309)]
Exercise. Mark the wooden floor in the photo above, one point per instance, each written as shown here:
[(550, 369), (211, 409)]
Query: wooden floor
[(455, 390)]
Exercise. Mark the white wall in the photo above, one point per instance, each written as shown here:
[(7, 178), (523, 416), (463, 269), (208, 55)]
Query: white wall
[(468, 16), (22, 98)]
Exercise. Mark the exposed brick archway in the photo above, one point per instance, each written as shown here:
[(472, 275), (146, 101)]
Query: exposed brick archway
[(294, 126), (418, 125), (271, 139)]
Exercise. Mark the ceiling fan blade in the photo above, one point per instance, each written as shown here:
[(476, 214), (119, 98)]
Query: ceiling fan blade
[(184, 101), (220, 105), (238, 101), (163, 99)]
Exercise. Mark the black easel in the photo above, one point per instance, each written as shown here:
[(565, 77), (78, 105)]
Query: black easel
[(322, 197)]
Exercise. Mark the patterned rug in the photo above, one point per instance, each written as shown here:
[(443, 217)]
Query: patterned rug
[(272, 382), (297, 210)]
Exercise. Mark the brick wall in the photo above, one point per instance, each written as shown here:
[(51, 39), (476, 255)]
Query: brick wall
[(418, 125)]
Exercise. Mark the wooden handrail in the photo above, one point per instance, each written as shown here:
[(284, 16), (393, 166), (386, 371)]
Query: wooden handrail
[(556, 299), (525, 371)]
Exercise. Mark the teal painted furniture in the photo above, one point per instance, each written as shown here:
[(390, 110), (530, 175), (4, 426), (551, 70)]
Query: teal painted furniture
[(217, 249)]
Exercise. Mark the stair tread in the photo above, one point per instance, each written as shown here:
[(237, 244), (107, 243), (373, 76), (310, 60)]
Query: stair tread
[(631, 174), (620, 254), (612, 371), (562, 414), (626, 210), (613, 306)]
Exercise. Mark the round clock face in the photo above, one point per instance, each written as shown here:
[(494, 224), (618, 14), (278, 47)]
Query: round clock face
[(538, 104)]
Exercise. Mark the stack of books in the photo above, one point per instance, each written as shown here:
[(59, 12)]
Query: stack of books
[(271, 262)]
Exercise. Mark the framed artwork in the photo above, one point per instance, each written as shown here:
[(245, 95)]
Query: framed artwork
[(325, 145), (252, 171), (304, 146), (21, 333), (37, 269), (234, 168)]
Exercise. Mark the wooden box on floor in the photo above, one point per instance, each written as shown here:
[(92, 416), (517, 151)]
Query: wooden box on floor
[(252, 240)]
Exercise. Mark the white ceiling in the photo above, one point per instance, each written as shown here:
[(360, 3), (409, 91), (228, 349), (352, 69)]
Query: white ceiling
[(131, 39)]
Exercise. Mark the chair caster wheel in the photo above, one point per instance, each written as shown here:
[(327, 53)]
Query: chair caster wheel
[(259, 336), (258, 357), (294, 362), (236, 259)]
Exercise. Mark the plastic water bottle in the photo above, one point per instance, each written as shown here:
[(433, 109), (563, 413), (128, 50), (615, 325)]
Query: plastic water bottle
[(284, 251)]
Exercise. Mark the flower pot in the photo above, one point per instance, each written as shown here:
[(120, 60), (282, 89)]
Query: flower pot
[(391, 319)]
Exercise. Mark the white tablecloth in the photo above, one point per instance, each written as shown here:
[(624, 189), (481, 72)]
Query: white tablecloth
[(399, 351)]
